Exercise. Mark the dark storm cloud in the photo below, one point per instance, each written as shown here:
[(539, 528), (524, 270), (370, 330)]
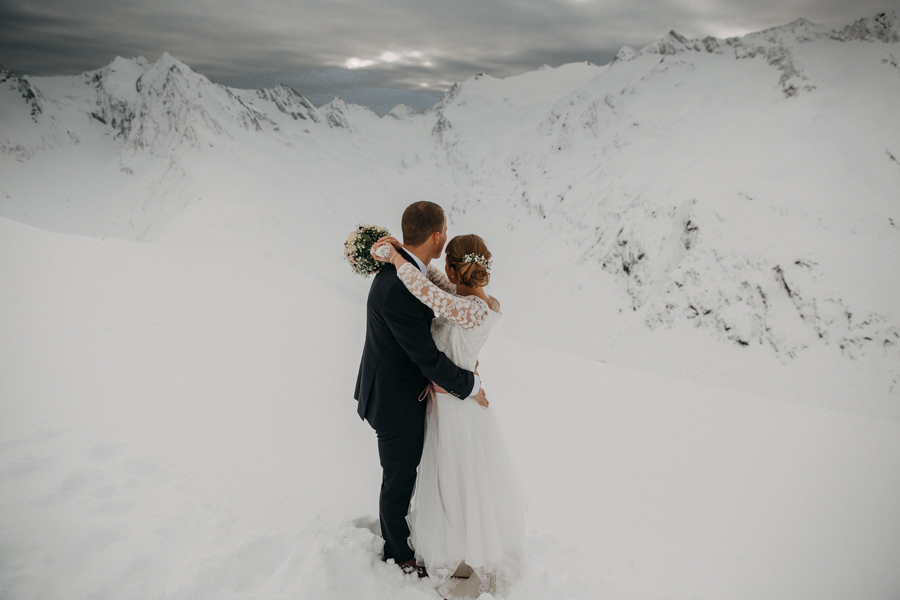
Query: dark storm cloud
[(411, 45)]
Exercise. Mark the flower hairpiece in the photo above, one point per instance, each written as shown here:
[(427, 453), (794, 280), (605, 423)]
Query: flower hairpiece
[(478, 260)]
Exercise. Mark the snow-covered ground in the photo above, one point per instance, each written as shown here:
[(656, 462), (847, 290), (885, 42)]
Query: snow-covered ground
[(179, 424), (697, 252)]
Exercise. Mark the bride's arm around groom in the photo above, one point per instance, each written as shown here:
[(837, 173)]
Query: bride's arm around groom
[(399, 356)]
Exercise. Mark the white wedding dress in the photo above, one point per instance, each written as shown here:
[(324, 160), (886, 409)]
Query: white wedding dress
[(467, 505)]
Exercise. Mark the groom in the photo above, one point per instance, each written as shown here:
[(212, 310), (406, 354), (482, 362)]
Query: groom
[(399, 360)]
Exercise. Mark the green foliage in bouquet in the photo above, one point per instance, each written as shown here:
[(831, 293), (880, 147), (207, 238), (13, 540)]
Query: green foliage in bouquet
[(358, 249)]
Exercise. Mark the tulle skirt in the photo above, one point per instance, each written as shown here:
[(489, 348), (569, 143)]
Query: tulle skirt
[(467, 505)]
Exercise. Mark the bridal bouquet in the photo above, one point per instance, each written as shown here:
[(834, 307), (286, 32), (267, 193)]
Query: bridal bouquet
[(358, 249)]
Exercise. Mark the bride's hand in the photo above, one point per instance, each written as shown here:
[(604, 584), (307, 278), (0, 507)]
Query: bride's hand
[(392, 240), (383, 244)]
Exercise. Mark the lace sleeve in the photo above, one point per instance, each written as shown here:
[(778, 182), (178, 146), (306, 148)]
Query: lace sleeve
[(437, 277), (465, 312)]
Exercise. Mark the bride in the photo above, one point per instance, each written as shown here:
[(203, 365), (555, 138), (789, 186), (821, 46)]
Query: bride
[(466, 516)]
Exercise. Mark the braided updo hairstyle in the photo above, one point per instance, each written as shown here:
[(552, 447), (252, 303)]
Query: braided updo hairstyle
[(470, 274)]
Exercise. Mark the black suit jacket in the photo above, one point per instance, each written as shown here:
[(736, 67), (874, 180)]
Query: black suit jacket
[(400, 358)]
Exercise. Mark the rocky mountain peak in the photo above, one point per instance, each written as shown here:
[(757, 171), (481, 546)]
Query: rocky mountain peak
[(884, 27), (401, 112), (21, 87)]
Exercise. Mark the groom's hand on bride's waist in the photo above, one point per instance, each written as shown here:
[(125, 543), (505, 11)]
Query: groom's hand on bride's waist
[(481, 398)]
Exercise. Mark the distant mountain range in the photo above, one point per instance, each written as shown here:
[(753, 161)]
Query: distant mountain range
[(749, 187)]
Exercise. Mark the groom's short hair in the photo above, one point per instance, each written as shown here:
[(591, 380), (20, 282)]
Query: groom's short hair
[(420, 220)]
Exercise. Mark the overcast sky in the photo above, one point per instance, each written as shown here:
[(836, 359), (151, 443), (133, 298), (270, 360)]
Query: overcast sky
[(374, 52)]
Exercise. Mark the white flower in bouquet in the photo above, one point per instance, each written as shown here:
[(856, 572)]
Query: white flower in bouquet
[(358, 249)]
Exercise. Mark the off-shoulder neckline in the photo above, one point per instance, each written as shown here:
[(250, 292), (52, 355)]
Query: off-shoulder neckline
[(488, 304)]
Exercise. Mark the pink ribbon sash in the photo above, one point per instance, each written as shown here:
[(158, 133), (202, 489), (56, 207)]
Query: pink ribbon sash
[(429, 393)]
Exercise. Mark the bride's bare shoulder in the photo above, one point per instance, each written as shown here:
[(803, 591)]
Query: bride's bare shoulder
[(495, 304)]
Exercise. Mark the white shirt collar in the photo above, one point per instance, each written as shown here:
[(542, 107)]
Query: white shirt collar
[(418, 262)]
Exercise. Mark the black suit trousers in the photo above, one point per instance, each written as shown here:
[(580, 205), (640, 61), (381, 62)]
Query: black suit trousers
[(400, 454)]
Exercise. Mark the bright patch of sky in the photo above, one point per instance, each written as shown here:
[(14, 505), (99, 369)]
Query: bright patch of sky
[(389, 57)]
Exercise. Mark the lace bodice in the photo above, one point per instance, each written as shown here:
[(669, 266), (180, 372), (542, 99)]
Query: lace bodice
[(463, 323)]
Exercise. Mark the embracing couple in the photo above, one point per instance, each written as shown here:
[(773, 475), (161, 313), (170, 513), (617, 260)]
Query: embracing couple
[(419, 389)]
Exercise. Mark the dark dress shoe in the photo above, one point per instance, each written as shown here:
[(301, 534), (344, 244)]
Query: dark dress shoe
[(409, 567)]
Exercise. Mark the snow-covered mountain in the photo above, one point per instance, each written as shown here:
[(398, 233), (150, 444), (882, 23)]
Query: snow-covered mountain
[(744, 189), (163, 108)]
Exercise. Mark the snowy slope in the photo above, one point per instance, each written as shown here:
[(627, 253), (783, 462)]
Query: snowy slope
[(763, 210), (178, 424)]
